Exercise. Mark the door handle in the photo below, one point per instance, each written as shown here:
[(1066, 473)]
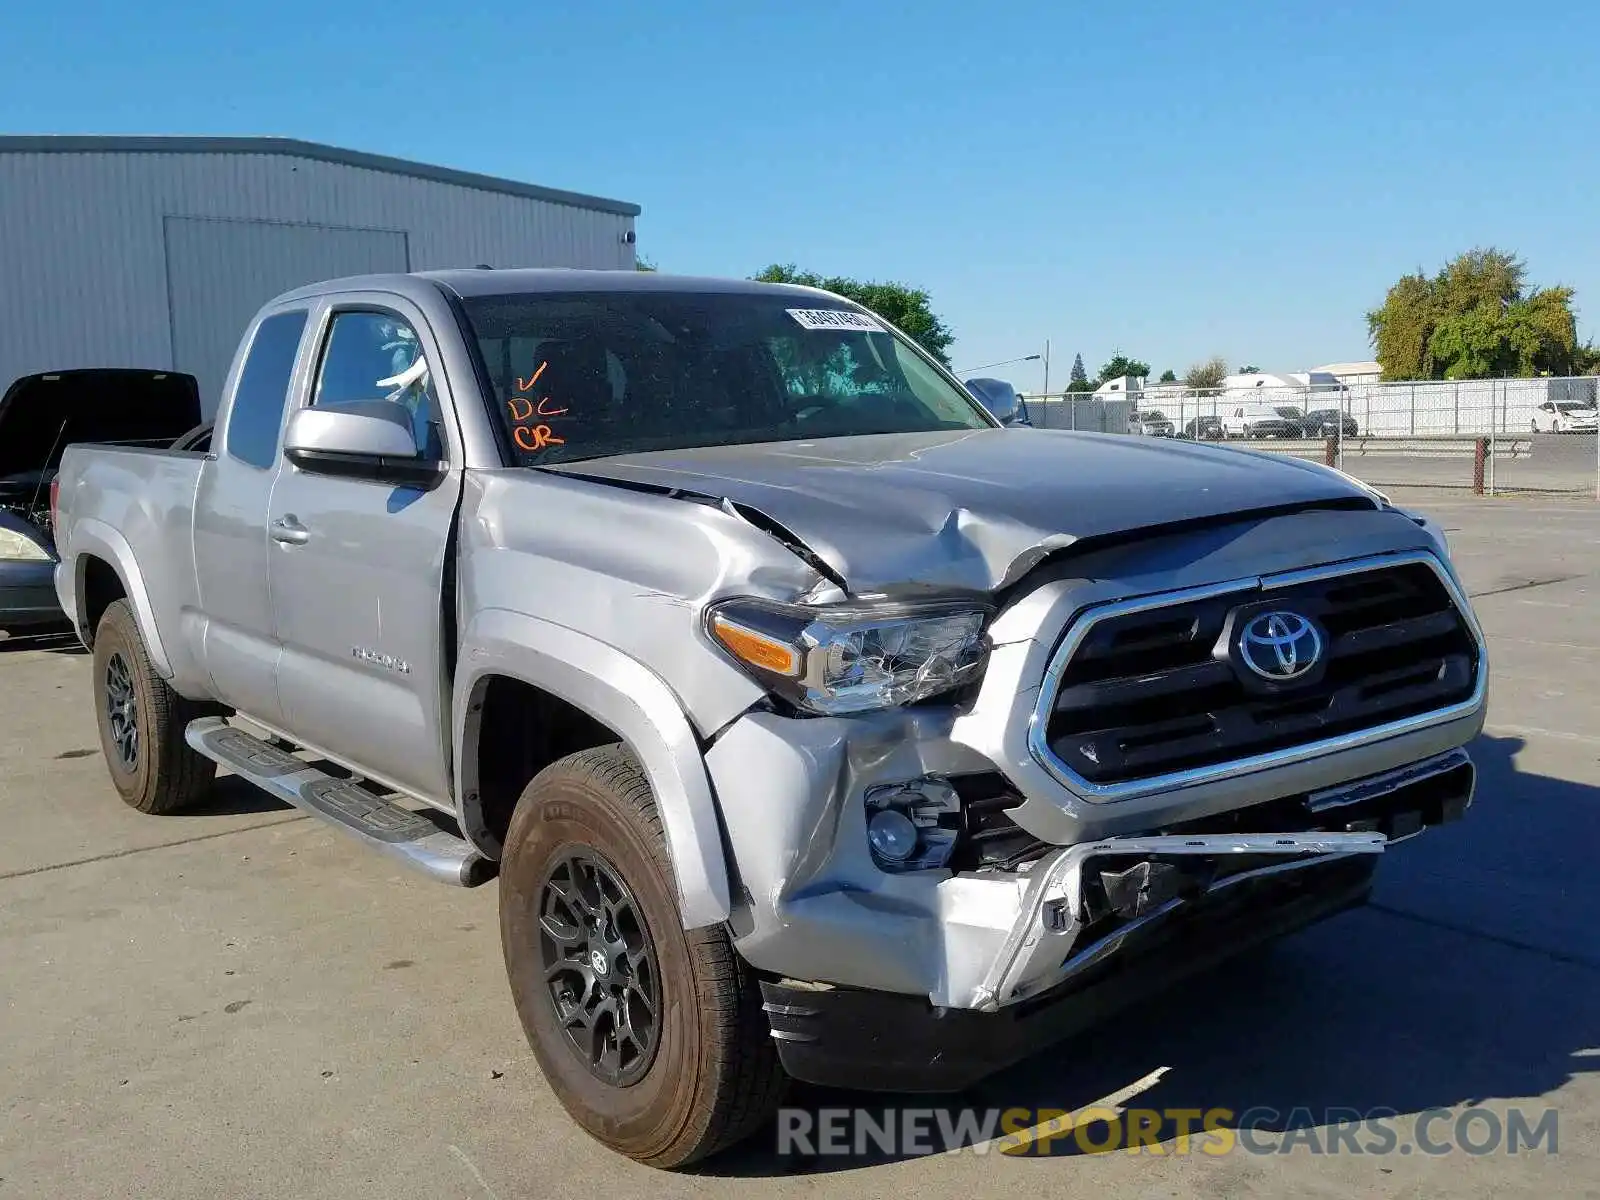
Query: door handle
[(287, 529)]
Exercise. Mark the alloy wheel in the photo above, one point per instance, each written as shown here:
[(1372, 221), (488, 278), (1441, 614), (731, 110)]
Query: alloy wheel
[(600, 966), (122, 711)]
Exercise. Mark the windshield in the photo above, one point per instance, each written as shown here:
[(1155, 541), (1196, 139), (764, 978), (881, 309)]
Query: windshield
[(1288, 410), (581, 375)]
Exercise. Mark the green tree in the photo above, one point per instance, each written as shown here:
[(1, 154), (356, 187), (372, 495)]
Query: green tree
[(1401, 328), (1250, 369), (1120, 364), (641, 263), (1169, 376), (1207, 375), (1078, 381), (1476, 319), (908, 308)]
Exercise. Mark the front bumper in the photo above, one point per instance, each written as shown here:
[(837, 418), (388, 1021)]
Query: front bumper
[(28, 594), (811, 904), (846, 1037)]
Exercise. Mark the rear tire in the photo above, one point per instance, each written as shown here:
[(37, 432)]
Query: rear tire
[(590, 926), (142, 721)]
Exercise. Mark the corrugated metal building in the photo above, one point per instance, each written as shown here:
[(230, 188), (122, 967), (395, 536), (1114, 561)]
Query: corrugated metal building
[(154, 251)]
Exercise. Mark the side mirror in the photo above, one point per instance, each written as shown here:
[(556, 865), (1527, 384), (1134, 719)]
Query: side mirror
[(1000, 399), (370, 439)]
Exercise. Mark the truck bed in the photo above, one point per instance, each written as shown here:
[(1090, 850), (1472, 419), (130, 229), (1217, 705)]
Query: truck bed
[(134, 507)]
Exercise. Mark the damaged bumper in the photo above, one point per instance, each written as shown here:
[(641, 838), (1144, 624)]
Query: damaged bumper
[(860, 1039), (1128, 883), (1101, 926), (813, 906)]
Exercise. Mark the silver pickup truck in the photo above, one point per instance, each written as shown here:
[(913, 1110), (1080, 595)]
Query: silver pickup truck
[(816, 725)]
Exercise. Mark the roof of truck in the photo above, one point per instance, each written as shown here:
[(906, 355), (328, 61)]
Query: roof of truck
[(481, 282), (484, 281)]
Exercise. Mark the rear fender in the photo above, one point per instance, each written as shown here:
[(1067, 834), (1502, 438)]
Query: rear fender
[(91, 537)]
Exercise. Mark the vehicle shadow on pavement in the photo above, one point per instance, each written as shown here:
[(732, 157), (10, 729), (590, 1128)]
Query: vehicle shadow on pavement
[(58, 640), (1470, 978), (232, 796)]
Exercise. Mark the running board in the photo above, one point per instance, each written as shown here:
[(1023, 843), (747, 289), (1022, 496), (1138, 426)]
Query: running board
[(377, 823)]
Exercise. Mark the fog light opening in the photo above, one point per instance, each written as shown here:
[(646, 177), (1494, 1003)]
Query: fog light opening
[(913, 825)]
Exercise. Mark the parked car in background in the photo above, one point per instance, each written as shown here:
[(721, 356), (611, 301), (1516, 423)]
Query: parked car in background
[(1262, 421), (1329, 422), (1566, 416), (1150, 423), (1001, 399), (1204, 429), (40, 415)]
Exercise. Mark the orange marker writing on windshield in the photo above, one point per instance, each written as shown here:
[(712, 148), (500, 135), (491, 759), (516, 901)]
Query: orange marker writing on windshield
[(526, 405), (536, 438), (528, 387)]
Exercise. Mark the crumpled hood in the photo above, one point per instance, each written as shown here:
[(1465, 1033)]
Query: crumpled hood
[(976, 509)]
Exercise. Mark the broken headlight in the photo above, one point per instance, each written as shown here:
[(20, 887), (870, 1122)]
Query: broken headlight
[(852, 658)]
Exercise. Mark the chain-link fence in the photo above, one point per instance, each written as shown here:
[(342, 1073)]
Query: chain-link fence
[(1490, 434)]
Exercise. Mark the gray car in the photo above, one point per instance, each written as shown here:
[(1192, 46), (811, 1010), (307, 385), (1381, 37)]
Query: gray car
[(816, 725)]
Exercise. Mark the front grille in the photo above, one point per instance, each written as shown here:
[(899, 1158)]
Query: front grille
[(1159, 690)]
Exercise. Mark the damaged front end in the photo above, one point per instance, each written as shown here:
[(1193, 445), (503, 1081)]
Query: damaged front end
[(1006, 759), (1079, 933), (1118, 795)]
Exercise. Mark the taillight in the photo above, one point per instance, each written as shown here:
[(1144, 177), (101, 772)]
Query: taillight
[(55, 502)]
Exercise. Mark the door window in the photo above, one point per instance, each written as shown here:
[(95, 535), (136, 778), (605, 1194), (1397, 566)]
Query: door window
[(263, 390), (377, 356)]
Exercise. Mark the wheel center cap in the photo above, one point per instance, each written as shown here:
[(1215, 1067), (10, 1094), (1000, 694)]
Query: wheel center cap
[(599, 961)]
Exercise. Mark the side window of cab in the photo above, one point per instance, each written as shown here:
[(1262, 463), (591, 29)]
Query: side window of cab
[(262, 393), (372, 355)]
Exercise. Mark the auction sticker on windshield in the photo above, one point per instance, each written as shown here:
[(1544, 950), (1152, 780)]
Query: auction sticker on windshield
[(834, 318)]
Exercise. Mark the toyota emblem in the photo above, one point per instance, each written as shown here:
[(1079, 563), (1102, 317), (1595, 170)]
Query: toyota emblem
[(1280, 646)]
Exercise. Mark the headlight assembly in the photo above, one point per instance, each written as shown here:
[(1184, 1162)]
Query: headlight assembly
[(852, 658), (16, 546)]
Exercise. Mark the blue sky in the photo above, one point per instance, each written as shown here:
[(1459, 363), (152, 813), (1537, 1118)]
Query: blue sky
[(1172, 180)]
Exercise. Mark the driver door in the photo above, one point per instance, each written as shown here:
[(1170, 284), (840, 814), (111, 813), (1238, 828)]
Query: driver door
[(357, 567)]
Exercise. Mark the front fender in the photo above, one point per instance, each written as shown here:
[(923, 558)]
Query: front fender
[(93, 537), (624, 695)]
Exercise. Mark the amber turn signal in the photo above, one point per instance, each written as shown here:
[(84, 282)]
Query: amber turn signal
[(756, 649)]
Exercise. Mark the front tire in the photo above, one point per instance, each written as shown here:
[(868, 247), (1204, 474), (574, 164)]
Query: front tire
[(142, 720), (650, 1035)]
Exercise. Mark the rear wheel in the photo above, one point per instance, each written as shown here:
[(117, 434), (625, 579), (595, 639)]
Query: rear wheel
[(652, 1036), (142, 721)]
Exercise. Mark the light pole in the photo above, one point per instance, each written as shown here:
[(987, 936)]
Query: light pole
[(1003, 363)]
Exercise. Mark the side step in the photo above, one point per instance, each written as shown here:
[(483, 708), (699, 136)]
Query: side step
[(380, 825)]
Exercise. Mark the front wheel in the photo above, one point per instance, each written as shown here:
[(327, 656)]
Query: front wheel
[(650, 1035)]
